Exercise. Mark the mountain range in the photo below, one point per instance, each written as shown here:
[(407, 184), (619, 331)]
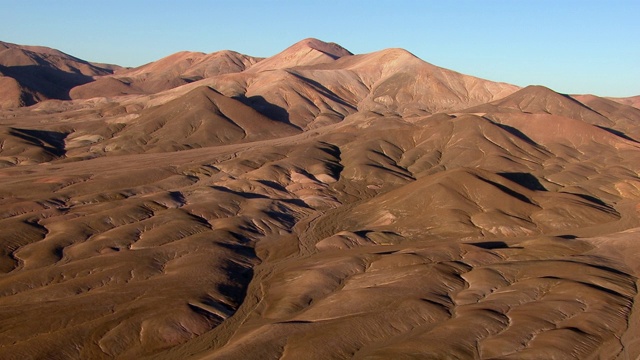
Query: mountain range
[(314, 204)]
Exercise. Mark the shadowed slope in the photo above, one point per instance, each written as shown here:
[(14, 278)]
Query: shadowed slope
[(20, 55), (12, 94), (42, 73), (389, 81), (625, 116), (201, 118), (24, 146), (542, 100), (472, 203), (332, 84)]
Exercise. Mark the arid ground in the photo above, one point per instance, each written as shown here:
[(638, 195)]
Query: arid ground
[(311, 205)]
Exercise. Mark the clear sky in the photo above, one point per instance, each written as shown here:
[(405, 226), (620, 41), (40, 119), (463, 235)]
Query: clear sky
[(571, 46)]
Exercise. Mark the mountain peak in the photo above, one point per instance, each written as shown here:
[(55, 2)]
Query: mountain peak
[(329, 48), (305, 52)]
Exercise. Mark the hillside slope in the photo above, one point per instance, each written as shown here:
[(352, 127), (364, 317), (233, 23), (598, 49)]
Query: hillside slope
[(317, 204)]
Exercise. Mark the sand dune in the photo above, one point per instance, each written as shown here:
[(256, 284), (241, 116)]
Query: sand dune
[(315, 204)]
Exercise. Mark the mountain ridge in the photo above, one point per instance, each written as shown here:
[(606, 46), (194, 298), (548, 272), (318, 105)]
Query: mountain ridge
[(224, 206)]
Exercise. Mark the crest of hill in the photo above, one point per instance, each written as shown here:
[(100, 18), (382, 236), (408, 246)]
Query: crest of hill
[(387, 81), (303, 53), (203, 117), (34, 73), (391, 80), (631, 101), (399, 82), (471, 201), (612, 109), (186, 67), (625, 115), (548, 116), (535, 99), (172, 71), (13, 55)]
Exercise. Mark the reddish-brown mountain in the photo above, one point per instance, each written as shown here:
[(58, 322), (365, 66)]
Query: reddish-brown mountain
[(33, 73), (173, 71), (314, 204)]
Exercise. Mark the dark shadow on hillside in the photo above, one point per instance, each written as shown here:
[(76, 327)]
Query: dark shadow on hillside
[(52, 83), (524, 179), (177, 197), (51, 141), (246, 195), (617, 133), (567, 237), (517, 133), (249, 195), (593, 199), (509, 191), (324, 90), (261, 105), (238, 276), (491, 245), (272, 184)]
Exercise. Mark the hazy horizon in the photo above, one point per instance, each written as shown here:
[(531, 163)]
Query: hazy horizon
[(572, 47)]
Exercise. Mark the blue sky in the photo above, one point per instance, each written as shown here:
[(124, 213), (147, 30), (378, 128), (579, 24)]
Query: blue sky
[(570, 46)]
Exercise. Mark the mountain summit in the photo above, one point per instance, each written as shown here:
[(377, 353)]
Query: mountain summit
[(302, 53)]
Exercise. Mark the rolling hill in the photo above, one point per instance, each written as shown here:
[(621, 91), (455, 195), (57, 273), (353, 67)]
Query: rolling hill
[(314, 204)]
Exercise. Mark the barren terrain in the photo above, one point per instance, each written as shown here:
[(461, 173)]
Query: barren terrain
[(311, 205)]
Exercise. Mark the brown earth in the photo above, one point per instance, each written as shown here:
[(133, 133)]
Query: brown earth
[(317, 204), (631, 101), (30, 74)]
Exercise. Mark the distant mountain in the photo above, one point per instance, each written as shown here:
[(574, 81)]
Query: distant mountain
[(315, 204), (314, 82), (173, 71), (631, 101), (316, 87), (34, 73), (540, 99), (399, 82), (12, 55)]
